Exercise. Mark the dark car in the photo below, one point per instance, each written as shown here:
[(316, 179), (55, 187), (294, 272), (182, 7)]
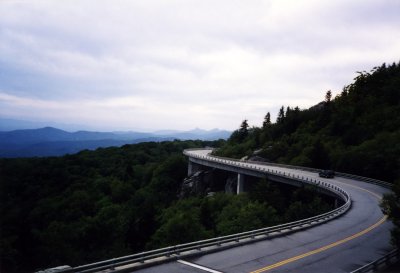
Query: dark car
[(327, 174)]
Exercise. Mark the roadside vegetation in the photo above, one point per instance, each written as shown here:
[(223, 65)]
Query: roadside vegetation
[(357, 132)]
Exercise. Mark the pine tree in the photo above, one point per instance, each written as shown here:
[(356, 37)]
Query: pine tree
[(244, 129), (288, 111), (267, 120), (328, 96), (281, 115)]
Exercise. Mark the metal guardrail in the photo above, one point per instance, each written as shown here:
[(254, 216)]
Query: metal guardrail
[(135, 261), (366, 179), (340, 174), (380, 263), (245, 165)]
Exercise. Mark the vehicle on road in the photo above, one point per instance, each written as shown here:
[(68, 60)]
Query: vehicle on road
[(327, 173)]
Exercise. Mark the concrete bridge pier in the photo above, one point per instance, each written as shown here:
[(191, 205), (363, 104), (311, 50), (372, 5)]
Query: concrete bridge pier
[(336, 203), (193, 167), (240, 183)]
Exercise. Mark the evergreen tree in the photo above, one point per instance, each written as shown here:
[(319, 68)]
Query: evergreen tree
[(281, 115), (267, 120), (288, 111), (244, 129), (328, 96)]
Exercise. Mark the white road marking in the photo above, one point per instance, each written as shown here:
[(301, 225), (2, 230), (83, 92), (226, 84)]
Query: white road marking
[(199, 266)]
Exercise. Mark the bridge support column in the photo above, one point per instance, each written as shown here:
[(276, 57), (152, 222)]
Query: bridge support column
[(193, 168), (240, 183), (190, 168), (336, 203)]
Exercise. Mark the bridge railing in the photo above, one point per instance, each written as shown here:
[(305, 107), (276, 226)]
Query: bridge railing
[(380, 263), (247, 165), (340, 174)]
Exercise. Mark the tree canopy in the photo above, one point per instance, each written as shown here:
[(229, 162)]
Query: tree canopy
[(357, 132)]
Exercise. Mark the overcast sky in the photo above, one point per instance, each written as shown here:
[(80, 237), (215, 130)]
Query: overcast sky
[(148, 65)]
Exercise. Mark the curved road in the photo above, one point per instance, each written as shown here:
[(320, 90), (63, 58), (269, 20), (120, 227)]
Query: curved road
[(341, 245)]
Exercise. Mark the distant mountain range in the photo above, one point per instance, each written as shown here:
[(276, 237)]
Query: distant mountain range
[(8, 124), (49, 141)]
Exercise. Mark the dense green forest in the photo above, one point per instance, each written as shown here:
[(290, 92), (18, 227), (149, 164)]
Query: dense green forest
[(111, 202), (87, 206)]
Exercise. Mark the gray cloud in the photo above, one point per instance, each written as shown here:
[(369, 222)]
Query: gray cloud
[(181, 64)]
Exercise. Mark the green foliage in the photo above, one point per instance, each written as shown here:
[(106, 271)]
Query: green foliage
[(281, 115), (243, 131), (241, 215), (328, 96), (267, 120), (305, 203), (180, 223), (274, 194), (390, 205), (356, 132), (89, 206), (267, 204)]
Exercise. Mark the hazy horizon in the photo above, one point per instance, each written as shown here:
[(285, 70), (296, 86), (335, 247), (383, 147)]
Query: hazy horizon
[(14, 124)]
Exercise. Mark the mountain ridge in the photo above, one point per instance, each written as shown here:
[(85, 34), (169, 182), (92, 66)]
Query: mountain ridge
[(50, 141)]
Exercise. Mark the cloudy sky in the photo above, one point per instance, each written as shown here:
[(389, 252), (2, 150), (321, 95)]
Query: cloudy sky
[(181, 64)]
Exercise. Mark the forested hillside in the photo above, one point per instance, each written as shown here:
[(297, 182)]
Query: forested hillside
[(357, 132), (111, 202), (88, 206)]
